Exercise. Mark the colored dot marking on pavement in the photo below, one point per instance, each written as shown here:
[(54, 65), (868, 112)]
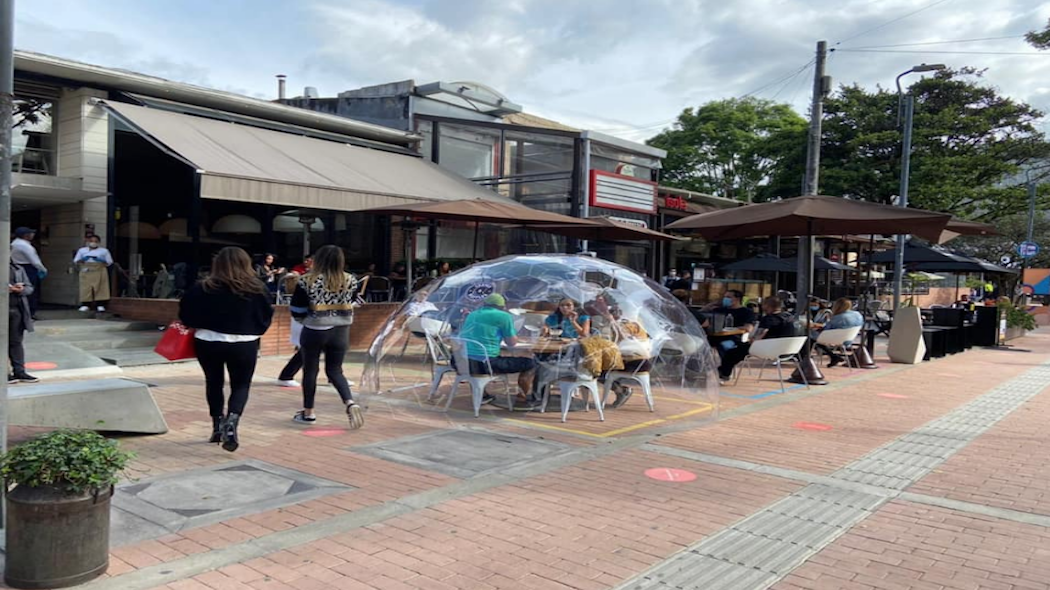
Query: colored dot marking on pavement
[(667, 474), (322, 432), (812, 426), (893, 396), (41, 365)]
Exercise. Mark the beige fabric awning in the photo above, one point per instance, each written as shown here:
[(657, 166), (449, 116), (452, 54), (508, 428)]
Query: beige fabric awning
[(243, 163)]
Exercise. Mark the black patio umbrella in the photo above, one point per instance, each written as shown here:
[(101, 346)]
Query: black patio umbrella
[(930, 258), (771, 263)]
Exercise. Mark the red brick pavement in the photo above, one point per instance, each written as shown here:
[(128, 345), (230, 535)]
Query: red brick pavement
[(907, 546)]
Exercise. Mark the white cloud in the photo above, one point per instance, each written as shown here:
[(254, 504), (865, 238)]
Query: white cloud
[(621, 66)]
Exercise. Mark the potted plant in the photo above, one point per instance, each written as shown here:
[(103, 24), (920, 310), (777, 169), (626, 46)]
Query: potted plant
[(58, 510), (1018, 320)]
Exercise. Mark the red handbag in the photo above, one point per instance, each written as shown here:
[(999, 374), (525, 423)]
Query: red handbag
[(177, 343)]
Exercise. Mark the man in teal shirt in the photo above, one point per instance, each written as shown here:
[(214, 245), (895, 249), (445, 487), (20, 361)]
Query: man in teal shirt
[(483, 331)]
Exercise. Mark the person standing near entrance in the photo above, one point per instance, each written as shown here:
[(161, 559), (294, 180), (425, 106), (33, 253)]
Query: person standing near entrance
[(230, 311), (93, 262), (324, 302), (25, 256), (20, 321)]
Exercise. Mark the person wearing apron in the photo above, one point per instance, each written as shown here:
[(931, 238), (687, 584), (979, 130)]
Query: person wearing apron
[(92, 262)]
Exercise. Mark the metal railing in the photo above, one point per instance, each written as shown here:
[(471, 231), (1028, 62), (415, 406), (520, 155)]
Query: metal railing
[(33, 161)]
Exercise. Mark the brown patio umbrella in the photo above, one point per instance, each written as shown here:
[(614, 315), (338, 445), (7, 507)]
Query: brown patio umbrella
[(960, 227), (479, 211), (813, 215), (607, 229)]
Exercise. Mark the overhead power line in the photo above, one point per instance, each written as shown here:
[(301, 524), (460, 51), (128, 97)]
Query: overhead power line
[(1031, 53), (779, 80), (951, 42), (890, 22)]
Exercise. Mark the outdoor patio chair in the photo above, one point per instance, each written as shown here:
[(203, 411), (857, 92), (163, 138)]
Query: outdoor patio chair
[(639, 376), (378, 289), (776, 350), (477, 383), (679, 347), (440, 359), (570, 383), (840, 340)]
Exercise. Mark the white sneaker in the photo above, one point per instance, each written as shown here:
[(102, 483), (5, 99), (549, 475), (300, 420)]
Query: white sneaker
[(100, 309), (288, 383), (83, 308)]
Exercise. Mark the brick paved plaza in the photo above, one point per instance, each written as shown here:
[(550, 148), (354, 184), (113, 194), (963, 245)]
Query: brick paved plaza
[(929, 476)]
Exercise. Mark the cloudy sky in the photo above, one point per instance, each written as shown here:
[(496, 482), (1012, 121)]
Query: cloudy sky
[(618, 66)]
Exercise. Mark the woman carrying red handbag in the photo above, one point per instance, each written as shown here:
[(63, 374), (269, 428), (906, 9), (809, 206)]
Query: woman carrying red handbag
[(230, 311)]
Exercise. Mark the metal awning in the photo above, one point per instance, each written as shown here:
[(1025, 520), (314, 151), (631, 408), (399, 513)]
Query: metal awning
[(245, 163)]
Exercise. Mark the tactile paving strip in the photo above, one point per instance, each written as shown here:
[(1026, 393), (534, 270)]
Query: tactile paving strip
[(756, 552)]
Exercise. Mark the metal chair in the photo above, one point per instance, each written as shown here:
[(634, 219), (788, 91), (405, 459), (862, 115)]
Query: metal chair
[(461, 363), (441, 361), (569, 383), (777, 350), (840, 340), (640, 375), (378, 289)]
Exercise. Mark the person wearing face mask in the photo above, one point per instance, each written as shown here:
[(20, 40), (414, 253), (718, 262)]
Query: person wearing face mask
[(732, 306), (92, 262)]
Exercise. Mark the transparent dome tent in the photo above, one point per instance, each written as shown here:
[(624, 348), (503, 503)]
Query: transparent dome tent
[(641, 338)]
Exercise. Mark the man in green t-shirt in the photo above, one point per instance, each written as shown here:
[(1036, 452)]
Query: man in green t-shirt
[(483, 331)]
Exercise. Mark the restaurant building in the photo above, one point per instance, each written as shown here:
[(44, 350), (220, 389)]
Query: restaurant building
[(478, 133)]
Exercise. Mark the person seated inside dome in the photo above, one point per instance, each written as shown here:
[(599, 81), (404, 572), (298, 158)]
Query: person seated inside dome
[(484, 330), (567, 321)]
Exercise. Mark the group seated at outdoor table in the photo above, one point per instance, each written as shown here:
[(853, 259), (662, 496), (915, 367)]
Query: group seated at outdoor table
[(568, 349)]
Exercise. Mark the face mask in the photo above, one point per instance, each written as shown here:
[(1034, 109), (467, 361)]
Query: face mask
[(814, 307), (92, 245), (727, 302)]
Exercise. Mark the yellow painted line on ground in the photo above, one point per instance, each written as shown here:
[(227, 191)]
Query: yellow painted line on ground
[(680, 400), (707, 407)]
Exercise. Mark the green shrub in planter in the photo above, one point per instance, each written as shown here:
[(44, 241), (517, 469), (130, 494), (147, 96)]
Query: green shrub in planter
[(58, 512)]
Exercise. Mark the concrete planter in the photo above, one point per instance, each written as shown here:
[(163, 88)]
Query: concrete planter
[(1012, 333)]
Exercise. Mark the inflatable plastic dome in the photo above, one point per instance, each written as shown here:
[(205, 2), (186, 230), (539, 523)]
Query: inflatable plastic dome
[(641, 351)]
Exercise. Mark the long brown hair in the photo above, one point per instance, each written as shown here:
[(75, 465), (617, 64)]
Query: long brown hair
[(842, 305), (232, 269), (330, 263)]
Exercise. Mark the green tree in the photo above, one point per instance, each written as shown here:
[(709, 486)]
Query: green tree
[(730, 148), (1039, 39), (967, 142), (1013, 230)]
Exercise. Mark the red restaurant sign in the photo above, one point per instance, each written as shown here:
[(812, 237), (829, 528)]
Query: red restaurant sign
[(677, 203)]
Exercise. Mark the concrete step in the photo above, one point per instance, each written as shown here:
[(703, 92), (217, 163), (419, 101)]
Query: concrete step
[(85, 325), (110, 340), (133, 357)]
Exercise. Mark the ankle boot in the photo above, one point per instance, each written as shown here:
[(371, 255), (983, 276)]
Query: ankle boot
[(216, 427), (229, 432)]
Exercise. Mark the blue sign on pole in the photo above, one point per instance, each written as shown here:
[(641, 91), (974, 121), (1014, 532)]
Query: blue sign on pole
[(1027, 249)]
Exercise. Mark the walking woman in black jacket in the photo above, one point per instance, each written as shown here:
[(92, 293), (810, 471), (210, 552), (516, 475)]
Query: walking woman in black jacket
[(324, 302), (230, 311)]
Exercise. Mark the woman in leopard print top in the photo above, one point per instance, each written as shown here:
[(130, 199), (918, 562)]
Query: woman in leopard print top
[(324, 302)]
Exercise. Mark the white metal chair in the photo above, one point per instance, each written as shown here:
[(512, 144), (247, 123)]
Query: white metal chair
[(776, 350), (570, 383), (679, 346), (441, 362), (840, 340), (639, 376), (477, 383)]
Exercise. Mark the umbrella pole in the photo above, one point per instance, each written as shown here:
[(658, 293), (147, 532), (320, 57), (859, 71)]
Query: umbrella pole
[(409, 232), (807, 370), (474, 252)]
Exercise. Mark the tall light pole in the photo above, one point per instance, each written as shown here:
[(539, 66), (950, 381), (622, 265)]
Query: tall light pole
[(909, 116)]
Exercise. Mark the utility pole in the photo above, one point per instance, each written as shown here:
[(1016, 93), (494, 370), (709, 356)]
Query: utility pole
[(1031, 223), (821, 86), (902, 239), (7, 105)]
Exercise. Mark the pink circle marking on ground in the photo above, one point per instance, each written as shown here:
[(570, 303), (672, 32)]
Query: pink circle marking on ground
[(893, 396), (321, 432), (812, 426), (41, 365), (667, 474)]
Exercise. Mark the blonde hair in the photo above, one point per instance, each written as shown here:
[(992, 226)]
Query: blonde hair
[(842, 305), (330, 263)]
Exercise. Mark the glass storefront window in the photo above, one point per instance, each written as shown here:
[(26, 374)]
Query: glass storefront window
[(32, 137), (471, 152), (534, 153)]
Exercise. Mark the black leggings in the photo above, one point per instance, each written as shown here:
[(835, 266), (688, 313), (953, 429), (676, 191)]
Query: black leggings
[(215, 358), (333, 343)]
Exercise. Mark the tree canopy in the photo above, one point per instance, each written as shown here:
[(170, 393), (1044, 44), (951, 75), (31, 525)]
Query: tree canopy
[(969, 146), (1039, 39), (1014, 230), (729, 148)]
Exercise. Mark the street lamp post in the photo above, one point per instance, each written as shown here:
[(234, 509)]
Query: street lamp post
[(909, 116)]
